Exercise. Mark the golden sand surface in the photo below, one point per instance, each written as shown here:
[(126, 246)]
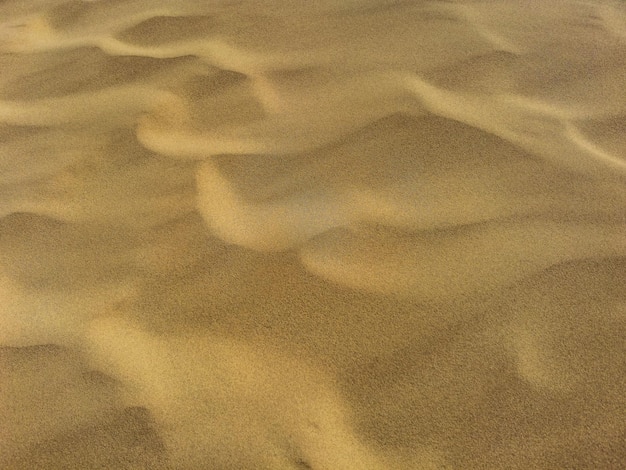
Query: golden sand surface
[(328, 235)]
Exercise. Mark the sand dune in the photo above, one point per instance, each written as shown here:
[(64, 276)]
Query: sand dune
[(334, 235)]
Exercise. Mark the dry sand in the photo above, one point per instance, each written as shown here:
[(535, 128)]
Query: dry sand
[(329, 235)]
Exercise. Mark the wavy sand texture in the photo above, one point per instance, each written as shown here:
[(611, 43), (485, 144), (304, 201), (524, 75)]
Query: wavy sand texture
[(331, 235)]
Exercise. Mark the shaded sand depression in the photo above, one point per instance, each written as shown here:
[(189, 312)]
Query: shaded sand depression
[(336, 235)]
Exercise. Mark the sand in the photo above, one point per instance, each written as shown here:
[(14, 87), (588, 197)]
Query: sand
[(332, 235)]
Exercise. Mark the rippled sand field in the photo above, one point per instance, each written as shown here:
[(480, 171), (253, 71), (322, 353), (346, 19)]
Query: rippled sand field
[(328, 235)]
